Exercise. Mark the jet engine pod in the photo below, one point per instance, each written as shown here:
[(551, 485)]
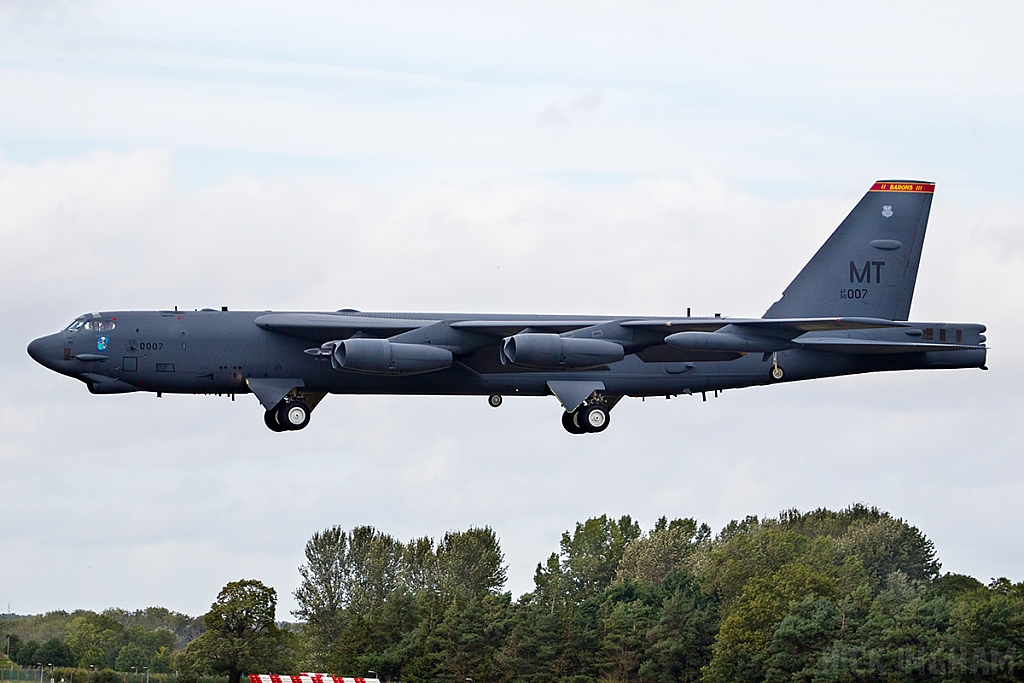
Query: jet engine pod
[(725, 341), (381, 357), (551, 351)]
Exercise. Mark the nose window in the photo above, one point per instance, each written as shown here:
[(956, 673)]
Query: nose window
[(76, 326)]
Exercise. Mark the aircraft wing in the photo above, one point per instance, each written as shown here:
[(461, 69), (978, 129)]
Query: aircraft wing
[(504, 328), (320, 327)]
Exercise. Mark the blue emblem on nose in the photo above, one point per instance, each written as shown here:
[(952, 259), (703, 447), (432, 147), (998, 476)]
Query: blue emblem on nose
[(101, 343)]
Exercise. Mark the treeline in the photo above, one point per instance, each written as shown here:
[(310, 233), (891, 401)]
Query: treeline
[(823, 596), (113, 639), (854, 595)]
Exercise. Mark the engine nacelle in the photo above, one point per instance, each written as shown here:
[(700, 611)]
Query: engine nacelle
[(381, 357), (551, 351), (724, 341)]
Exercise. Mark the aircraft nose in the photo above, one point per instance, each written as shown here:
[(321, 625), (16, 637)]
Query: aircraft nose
[(47, 350)]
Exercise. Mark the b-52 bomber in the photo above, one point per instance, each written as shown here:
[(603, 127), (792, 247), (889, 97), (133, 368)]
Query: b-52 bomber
[(845, 313)]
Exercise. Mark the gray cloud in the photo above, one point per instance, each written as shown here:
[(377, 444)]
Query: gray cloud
[(168, 499)]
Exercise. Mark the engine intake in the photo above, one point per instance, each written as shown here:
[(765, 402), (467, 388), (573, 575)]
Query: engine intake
[(381, 357), (553, 352)]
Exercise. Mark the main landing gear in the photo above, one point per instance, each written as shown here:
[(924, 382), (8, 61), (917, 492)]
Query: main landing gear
[(587, 419), (287, 416)]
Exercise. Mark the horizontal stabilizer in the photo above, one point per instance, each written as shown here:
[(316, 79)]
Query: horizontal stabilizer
[(870, 347), (786, 326)]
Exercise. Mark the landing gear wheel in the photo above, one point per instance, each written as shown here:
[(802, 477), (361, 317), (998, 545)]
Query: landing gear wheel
[(569, 422), (293, 415), (777, 373), (594, 418), (270, 417), (494, 400)]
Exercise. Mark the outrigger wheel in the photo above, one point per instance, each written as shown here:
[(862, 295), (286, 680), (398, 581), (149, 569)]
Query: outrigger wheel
[(777, 373)]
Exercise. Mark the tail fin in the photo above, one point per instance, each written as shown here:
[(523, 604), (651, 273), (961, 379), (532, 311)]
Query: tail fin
[(868, 267)]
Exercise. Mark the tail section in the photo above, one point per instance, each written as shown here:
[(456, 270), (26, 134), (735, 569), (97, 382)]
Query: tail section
[(868, 267)]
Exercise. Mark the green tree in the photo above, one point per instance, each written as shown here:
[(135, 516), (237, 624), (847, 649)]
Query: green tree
[(558, 628), (799, 638), (163, 661), (665, 550), (94, 657), (469, 637), (890, 545), (681, 640), (741, 647), (26, 655), (591, 555), (321, 595), (131, 656), (55, 652), (373, 566), (184, 627), (12, 644), (241, 635), (95, 633), (471, 563)]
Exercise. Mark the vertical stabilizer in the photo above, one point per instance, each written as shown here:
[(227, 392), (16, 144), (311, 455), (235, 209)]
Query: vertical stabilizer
[(868, 267)]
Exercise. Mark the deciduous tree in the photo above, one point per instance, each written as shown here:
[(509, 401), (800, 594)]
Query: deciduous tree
[(241, 635)]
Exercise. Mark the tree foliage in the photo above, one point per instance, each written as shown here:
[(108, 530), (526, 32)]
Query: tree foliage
[(823, 596), (241, 634), (97, 639)]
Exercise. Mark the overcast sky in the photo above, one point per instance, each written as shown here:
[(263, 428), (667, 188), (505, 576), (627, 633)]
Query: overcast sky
[(556, 157)]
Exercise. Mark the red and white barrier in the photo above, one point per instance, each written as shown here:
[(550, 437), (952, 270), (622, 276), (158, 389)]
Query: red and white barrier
[(307, 678)]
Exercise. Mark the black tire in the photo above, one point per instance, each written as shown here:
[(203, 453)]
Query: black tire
[(494, 400), (594, 418), (270, 417), (293, 415), (776, 373), (569, 422)]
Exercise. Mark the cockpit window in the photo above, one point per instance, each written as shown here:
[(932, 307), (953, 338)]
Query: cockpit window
[(94, 325)]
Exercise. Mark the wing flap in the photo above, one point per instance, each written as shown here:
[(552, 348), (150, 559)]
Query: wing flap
[(504, 328)]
